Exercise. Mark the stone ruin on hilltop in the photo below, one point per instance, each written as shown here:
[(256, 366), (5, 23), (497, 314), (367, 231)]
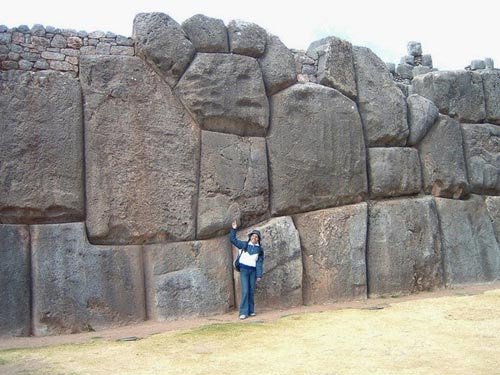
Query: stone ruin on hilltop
[(123, 162)]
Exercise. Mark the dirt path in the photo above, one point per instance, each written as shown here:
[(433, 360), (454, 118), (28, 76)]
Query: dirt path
[(453, 332), (149, 328)]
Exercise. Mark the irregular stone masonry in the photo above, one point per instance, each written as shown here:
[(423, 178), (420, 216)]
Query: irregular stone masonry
[(415, 63), (123, 162), (50, 48)]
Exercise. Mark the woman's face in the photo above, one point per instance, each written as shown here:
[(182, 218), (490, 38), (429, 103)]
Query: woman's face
[(254, 239)]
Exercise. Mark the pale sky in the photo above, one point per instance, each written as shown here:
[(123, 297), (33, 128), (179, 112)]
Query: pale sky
[(452, 33)]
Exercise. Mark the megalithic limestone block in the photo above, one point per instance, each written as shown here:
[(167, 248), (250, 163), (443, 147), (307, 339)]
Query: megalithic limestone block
[(142, 155), (394, 171), (470, 250), (381, 103), (278, 66), (79, 287), (334, 253), (335, 64), (207, 34), (246, 38), (281, 285), (41, 148), (188, 279), (443, 162), (225, 93), (316, 150), (482, 154), (422, 114), (491, 86), (161, 41), (233, 183), (15, 316), (404, 247), (493, 207), (458, 94)]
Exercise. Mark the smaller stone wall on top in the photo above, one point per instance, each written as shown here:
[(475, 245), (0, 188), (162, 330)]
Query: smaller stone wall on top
[(44, 48)]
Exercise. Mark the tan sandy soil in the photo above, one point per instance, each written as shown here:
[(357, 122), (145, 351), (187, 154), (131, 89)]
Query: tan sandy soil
[(451, 331)]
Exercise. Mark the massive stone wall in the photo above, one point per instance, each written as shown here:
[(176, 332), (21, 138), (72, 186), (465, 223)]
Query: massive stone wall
[(123, 162)]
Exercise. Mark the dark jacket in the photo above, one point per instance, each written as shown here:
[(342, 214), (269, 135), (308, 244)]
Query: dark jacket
[(251, 249)]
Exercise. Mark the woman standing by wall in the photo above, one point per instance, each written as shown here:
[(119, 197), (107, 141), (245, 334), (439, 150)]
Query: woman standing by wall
[(251, 268)]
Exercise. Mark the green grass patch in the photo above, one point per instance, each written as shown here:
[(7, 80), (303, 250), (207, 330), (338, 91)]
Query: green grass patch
[(3, 361)]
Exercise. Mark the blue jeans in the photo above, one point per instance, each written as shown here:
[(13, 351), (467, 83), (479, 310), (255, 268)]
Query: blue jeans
[(247, 282)]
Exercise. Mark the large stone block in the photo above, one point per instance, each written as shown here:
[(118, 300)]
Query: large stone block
[(404, 247), (422, 114), (471, 253), (493, 207), (188, 279), (458, 94), (233, 182), (334, 253), (207, 34), (281, 285), (41, 148), (15, 315), (491, 86), (394, 171), (79, 287), (278, 66), (246, 38), (443, 161), (381, 103), (327, 167), (142, 155), (335, 64), (482, 154), (161, 41), (226, 93)]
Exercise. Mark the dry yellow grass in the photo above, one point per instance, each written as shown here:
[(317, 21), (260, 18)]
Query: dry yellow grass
[(448, 335)]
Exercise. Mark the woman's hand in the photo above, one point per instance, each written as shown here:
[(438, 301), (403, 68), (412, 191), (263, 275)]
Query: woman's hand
[(235, 224)]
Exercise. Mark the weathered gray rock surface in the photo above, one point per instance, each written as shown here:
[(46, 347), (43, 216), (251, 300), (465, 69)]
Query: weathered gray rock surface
[(142, 155), (185, 128), (80, 287), (405, 71), (493, 207), (207, 34), (381, 103), (327, 167), (41, 148), (404, 247), (470, 250), (281, 285), (226, 93), (335, 64), (15, 317), (443, 162), (246, 38), (491, 86), (422, 114), (161, 41), (188, 279), (458, 94), (233, 183), (334, 253), (394, 171), (482, 153), (278, 66)]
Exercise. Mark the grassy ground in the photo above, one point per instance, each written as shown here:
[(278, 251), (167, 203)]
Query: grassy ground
[(450, 335)]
